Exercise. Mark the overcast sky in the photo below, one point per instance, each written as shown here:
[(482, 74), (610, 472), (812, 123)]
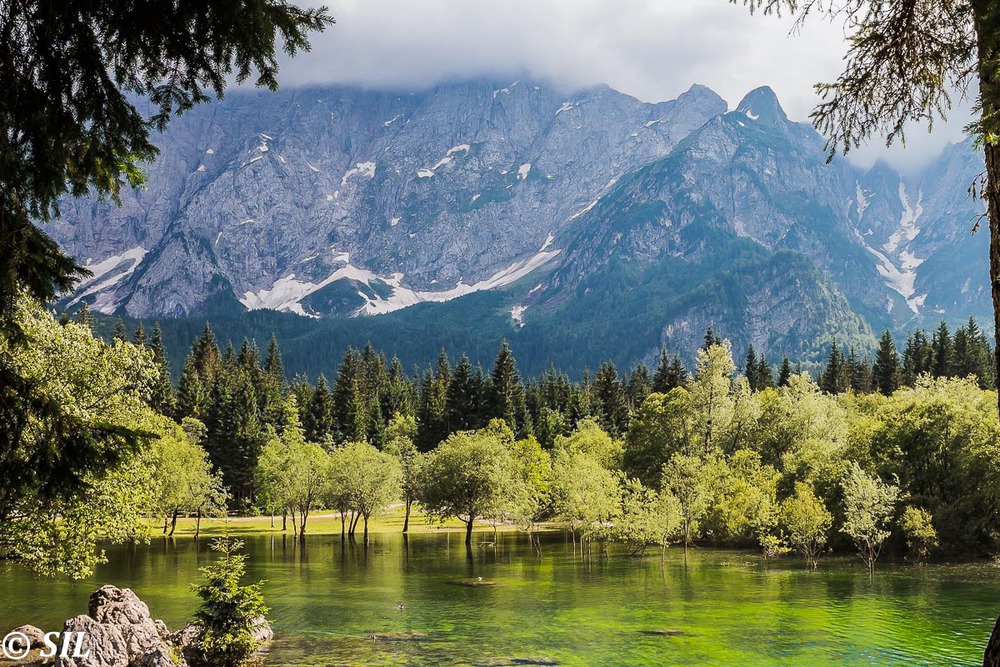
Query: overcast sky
[(651, 49)]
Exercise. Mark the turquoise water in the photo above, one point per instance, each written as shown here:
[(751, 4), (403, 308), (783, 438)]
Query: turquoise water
[(717, 608)]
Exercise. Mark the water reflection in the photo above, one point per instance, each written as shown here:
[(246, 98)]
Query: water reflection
[(337, 601)]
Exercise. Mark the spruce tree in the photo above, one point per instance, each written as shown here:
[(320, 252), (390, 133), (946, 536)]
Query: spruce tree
[(139, 338), (83, 315), (832, 379), (612, 410), (317, 418), (462, 398), (678, 375), (162, 394), (120, 333), (785, 372), (941, 347), (273, 365), (750, 368), (885, 370), (507, 393), (661, 383), (765, 377), (639, 386), (192, 394), (350, 419)]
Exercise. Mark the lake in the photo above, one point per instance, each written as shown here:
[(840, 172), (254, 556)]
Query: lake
[(717, 608)]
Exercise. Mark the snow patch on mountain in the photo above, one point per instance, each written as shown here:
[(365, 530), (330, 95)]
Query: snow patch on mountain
[(108, 273), (907, 230), (517, 314), (362, 168), (287, 293)]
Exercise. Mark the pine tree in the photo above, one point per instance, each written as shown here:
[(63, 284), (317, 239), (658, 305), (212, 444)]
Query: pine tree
[(432, 412), (711, 338), (317, 418), (885, 370), (639, 386), (750, 369), (139, 338), (162, 394), (192, 394), (661, 384), (206, 355), (120, 333), (833, 378), (83, 316), (765, 378), (350, 418), (917, 357), (273, 365), (612, 410), (941, 347), (785, 372), (678, 375), (462, 398), (507, 393)]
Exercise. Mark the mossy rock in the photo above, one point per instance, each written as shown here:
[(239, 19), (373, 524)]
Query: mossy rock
[(663, 633), (474, 582)]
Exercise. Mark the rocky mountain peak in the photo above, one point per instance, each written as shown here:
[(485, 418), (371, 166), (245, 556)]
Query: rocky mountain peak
[(761, 104)]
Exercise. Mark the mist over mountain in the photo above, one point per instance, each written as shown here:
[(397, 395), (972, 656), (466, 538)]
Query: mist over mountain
[(598, 224)]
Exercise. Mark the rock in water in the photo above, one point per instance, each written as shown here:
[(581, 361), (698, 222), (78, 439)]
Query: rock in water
[(121, 607), (103, 645), (119, 632)]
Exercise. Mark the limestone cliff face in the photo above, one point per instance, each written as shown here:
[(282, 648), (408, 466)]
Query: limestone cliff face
[(338, 201)]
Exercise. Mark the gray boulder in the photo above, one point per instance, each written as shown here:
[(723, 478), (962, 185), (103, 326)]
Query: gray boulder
[(103, 644), (119, 632), (36, 637)]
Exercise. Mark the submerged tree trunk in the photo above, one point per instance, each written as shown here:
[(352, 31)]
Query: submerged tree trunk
[(366, 530)]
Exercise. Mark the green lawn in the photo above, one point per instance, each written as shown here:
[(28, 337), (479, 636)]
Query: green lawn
[(327, 522)]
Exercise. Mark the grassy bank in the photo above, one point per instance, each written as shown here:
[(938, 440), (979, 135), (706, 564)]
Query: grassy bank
[(327, 522)]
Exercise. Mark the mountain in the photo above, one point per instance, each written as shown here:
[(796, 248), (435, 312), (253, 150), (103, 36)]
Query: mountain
[(604, 224)]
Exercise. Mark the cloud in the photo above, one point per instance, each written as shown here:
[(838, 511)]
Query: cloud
[(651, 49)]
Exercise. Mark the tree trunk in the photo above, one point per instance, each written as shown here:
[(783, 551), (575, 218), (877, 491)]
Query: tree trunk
[(166, 521), (272, 520), (295, 527), (197, 525), (354, 523), (992, 152), (366, 529), (304, 514), (991, 658), (173, 523), (468, 531), (986, 20), (343, 524), (284, 520), (406, 520)]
